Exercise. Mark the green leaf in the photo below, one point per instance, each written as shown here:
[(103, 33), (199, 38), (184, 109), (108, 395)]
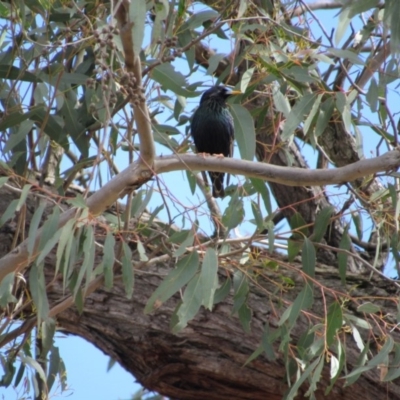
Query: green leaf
[(142, 251), (358, 223), (14, 73), (294, 247), (394, 370), (137, 17), (345, 244), (49, 228), (198, 19), (369, 308), (358, 7), (362, 323), (34, 225), (336, 366), (257, 216), (244, 131), (266, 341), (234, 213), (380, 358), (321, 223), (256, 353), (67, 236), (9, 213), (281, 102), (223, 291), (185, 269), (108, 260), (192, 181), (161, 9), (343, 104), (297, 115), (308, 258), (303, 301), (6, 289), (24, 195), (311, 116), (209, 277), (334, 321), (48, 246), (17, 137), (37, 288), (262, 188), (325, 113), (246, 77), (373, 95), (54, 366), (18, 377), (78, 201), (213, 63), (243, 4), (298, 224), (166, 129), (346, 54), (73, 126), (170, 79), (244, 314), (3, 180), (139, 203), (293, 390), (33, 364), (53, 126), (186, 239), (62, 375), (393, 7), (4, 13), (241, 289), (344, 22), (191, 302), (47, 331), (127, 270), (315, 378)]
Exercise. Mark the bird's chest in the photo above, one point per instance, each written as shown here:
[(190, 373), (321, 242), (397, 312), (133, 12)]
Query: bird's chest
[(212, 131)]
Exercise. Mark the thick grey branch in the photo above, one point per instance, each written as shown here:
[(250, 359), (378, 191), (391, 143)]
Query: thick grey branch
[(284, 175)]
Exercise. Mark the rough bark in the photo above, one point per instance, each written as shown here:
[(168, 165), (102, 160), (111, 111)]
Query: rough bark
[(206, 359)]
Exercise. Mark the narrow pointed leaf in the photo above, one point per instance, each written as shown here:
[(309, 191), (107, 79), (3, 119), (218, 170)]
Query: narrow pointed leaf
[(245, 134), (209, 277), (178, 277)]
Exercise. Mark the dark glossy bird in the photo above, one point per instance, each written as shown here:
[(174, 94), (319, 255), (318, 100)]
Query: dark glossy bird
[(212, 130)]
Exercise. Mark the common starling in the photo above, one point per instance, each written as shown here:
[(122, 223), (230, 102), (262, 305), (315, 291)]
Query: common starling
[(212, 130)]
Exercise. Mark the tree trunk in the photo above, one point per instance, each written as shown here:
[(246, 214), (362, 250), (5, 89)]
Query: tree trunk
[(207, 359)]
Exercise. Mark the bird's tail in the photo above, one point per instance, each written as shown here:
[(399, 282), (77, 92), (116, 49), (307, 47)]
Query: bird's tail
[(217, 181)]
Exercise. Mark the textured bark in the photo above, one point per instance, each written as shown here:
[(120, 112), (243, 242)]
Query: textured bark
[(206, 360)]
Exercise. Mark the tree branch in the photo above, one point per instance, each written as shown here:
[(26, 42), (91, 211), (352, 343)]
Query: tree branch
[(136, 175), (283, 175), (133, 64)]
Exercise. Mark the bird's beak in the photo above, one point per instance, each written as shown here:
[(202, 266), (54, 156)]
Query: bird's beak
[(235, 92)]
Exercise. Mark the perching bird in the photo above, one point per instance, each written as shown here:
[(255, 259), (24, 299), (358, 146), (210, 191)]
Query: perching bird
[(212, 130)]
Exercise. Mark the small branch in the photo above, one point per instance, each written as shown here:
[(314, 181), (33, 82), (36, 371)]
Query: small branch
[(373, 65), (212, 206), (133, 64)]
